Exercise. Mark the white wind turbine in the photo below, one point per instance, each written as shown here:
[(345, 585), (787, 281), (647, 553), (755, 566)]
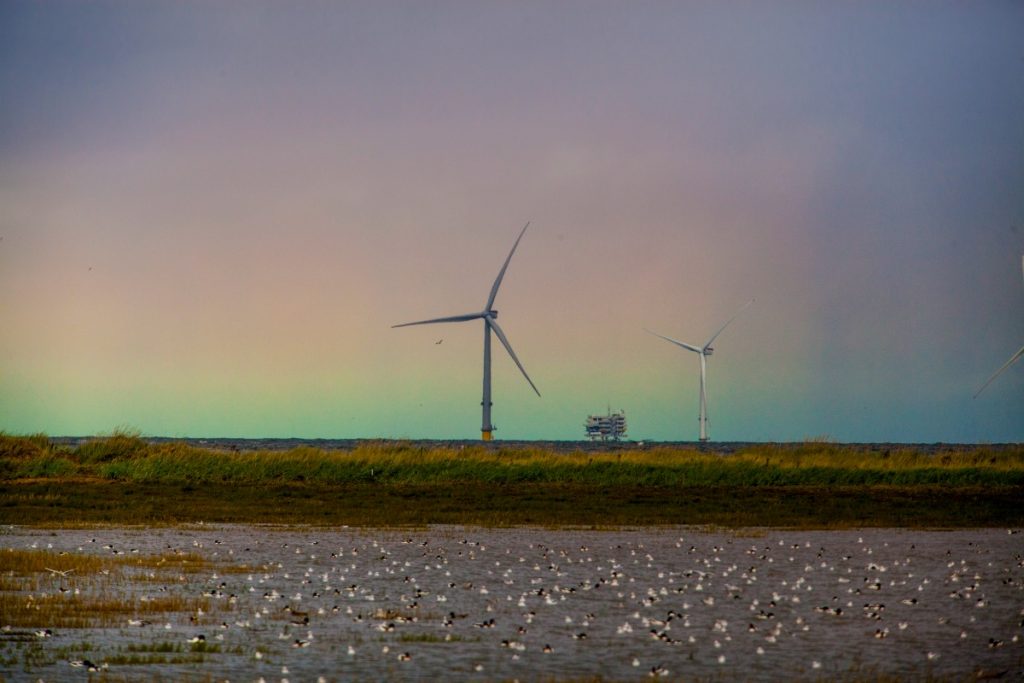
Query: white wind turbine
[(489, 316), (1013, 359), (703, 351)]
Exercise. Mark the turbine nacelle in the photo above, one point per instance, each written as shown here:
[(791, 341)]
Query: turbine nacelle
[(490, 318), (703, 352)]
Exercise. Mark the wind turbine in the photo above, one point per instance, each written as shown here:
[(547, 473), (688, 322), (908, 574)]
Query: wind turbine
[(1013, 359), (489, 316), (703, 351)]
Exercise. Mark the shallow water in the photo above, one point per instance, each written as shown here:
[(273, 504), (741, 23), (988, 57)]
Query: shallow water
[(484, 604)]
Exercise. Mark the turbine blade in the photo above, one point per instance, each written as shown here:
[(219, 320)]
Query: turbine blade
[(722, 328), (450, 319), (998, 372), (673, 341), (501, 274), (508, 347)]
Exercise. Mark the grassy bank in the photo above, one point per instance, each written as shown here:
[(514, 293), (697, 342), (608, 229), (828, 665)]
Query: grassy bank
[(122, 478)]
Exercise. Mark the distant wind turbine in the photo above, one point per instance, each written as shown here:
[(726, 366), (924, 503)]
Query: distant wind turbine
[(703, 351), (1013, 359), (489, 316)]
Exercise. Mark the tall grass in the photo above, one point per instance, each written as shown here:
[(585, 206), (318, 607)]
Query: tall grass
[(126, 457), (121, 444), (23, 446)]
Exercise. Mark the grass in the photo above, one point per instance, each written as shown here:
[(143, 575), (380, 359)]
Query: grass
[(122, 478), (19, 561), (128, 458), (89, 593), (89, 610)]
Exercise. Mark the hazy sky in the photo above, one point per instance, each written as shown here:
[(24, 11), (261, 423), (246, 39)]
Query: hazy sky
[(212, 213)]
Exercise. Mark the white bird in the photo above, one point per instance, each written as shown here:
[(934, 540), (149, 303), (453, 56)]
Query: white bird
[(63, 573)]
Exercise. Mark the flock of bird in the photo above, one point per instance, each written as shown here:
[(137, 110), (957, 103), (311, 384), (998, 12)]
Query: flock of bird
[(520, 604)]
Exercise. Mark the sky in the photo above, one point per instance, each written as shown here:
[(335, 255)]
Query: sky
[(211, 214)]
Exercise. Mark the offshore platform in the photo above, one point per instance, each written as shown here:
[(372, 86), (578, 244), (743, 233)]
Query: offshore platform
[(610, 427)]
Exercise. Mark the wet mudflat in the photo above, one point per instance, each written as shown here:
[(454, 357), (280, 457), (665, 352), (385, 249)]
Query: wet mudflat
[(247, 602)]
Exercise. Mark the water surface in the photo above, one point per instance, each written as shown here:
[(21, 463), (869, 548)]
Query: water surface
[(528, 604)]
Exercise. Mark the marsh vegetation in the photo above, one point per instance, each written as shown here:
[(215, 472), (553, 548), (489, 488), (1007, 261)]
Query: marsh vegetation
[(123, 478), (245, 602)]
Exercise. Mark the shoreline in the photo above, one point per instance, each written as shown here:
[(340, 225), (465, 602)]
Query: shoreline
[(563, 446)]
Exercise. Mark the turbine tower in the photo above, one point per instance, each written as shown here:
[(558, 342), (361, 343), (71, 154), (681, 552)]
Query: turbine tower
[(490, 318), (1013, 359), (703, 351)]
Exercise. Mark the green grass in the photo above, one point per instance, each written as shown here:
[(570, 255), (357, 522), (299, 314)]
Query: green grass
[(126, 457), (122, 478)]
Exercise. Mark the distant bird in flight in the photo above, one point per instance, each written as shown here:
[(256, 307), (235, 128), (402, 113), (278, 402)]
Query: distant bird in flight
[(490, 320), (438, 342)]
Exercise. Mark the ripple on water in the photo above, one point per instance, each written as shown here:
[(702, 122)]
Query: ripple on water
[(479, 604)]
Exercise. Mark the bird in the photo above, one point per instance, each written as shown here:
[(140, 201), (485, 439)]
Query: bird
[(439, 341), (63, 573), (489, 316)]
